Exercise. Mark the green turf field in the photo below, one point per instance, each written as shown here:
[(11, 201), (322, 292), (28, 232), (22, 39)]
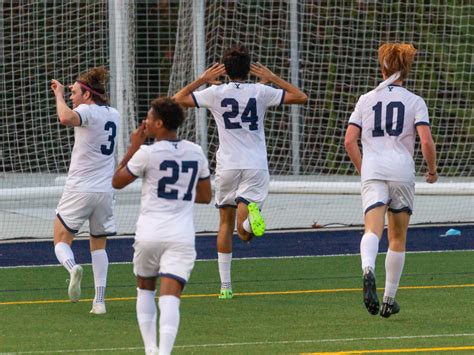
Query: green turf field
[(289, 305)]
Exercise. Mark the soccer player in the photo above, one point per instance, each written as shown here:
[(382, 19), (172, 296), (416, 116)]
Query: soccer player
[(242, 178), (175, 175), (88, 193), (387, 119)]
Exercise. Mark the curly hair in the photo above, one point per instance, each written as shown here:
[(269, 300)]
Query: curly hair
[(237, 61), (170, 112), (96, 79), (394, 57)]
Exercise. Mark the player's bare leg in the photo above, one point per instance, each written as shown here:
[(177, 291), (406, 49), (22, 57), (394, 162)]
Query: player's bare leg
[(395, 260), (100, 265), (62, 248), (374, 221), (224, 249)]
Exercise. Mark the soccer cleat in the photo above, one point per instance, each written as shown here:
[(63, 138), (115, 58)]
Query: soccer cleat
[(256, 220), (371, 300), (389, 307), (74, 289), (98, 308), (226, 294)]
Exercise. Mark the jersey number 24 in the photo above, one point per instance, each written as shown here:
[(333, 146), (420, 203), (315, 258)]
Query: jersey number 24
[(249, 114)]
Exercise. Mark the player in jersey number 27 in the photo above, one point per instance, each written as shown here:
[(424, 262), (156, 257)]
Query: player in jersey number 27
[(175, 175), (386, 120)]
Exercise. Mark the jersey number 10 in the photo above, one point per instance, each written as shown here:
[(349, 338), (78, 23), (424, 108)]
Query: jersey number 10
[(378, 131)]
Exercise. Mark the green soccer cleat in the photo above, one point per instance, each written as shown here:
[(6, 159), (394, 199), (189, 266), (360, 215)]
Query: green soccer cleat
[(226, 294), (256, 220)]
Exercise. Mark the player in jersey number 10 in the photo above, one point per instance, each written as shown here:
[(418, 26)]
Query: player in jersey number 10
[(241, 176)]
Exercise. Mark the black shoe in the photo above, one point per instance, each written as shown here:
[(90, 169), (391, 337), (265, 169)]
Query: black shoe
[(371, 300), (388, 308)]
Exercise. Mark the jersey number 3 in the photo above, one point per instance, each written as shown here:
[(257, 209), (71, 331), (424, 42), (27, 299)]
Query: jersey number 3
[(249, 114), (103, 148), (172, 194), (392, 131)]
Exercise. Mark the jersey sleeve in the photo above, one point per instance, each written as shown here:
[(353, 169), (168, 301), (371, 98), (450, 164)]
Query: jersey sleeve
[(204, 98), (272, 96), (421, 113), (137, 165), (84, 114), (204, 170), (356, 115)]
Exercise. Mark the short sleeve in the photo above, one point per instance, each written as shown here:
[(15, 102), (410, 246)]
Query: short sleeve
[(272, 96), (356, 116), (204, 98), (421, 113), (137, 165), (84, 113), (204, 170)]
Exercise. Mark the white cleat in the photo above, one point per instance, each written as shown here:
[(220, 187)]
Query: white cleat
[(153, 351), (74, 289), (98, 308)]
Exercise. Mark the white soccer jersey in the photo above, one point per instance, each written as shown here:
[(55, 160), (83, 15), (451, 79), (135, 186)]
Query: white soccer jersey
[(387, 119), (92, 161), (239, 110), (170, 172)]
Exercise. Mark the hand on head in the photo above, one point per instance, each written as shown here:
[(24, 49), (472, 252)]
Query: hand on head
[(262, 72), (212, 73)]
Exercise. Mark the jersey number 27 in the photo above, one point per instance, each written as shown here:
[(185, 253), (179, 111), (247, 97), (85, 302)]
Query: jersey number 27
[(186, 166)]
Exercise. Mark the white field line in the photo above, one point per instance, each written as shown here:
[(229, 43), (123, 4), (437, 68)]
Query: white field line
[(281, 342)]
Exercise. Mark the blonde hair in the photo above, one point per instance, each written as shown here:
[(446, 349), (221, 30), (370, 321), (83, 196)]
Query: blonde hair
[(396, 57)]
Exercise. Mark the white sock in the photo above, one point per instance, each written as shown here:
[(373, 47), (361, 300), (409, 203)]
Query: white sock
[(146, 315), (169, 322), (394, 262), (224, 260), (100, 264), (369, 248), (65, 255), (247, 226)]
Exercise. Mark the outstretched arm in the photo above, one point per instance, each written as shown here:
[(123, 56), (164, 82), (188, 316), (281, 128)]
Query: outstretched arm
[(66, 115), (429, 152), (184, 97), (352, 147), (293, 95)]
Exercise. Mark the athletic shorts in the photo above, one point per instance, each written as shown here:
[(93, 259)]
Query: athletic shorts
[(398, 196), (168, 259), (75, 208), (247, 185)]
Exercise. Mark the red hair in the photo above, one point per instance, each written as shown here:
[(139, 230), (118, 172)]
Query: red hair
[(396, 57)]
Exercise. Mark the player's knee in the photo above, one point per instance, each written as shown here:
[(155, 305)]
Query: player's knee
[(243, 234)]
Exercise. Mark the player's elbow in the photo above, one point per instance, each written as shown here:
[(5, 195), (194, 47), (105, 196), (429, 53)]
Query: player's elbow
[(303, 98), (65, 120), (349, 143), (117, 183)]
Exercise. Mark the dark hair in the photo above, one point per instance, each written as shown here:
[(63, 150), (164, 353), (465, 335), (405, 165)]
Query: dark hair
[(167, 110), (237, 61), (95, 79)]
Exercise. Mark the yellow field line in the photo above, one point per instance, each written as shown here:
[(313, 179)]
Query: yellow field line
[(266, 293), (383, 351)]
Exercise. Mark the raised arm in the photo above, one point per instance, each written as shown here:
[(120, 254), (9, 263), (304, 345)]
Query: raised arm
[(429, 152), (122, 176), (184, 97), (293, 95), (66, 115), (352, 146)]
